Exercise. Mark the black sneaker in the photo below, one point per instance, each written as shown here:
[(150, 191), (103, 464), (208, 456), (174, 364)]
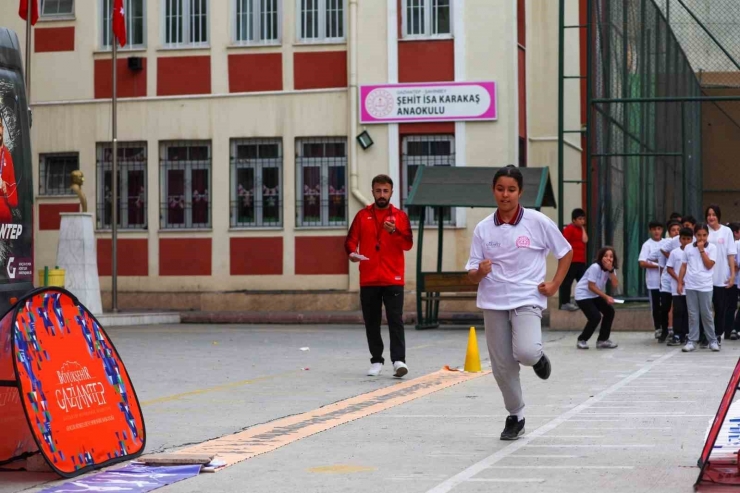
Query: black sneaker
[(543, 367), (675, 341), (513, 428)]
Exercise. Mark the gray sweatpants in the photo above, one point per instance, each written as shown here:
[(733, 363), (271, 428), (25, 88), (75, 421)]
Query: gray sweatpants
[(514, 338), (700, 305)]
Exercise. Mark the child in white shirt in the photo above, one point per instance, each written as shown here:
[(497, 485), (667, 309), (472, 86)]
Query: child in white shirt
[(680, 311), (696, 278), (649, 257), (666, 298), (594, 302)]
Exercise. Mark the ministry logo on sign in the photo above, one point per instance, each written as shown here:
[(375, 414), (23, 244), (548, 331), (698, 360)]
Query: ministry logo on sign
[(380, 103)]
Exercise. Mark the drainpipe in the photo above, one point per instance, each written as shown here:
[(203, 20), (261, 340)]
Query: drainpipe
[(353, 105)]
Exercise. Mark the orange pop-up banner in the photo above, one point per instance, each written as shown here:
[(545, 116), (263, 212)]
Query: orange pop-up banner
[(64, 390)]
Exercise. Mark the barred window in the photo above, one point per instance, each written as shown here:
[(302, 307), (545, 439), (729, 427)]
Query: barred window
[(257, 21), (185, 184), (427, 18), (321, 20), (256, 182), (426, 150), (131, 189), (55, 172), (321, 180), (134, 23), (186, 22), (57, 8)]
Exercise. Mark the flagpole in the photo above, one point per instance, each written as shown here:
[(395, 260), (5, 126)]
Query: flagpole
[(114, 226), (28, 54)]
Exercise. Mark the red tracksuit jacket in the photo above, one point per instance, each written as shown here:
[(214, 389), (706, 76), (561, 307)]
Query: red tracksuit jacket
[(385, 251)]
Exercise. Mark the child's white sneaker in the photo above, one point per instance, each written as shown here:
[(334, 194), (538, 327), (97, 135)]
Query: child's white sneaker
[(400, 369), (375, 370)]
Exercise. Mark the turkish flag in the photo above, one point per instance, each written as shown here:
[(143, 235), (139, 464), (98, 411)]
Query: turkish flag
[(23, 10), (119, 21)]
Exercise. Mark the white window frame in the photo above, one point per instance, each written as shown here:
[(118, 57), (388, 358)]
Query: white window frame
[(321, 38), (427, 34), (186, 15), (43, 162), (123, 168), (258, 165), (65, 15), (429, 219), (188, 192), (256, 25), (324, 163), (105, 44)]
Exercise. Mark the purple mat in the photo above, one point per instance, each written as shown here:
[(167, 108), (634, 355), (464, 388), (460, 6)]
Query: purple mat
[(132, 478)]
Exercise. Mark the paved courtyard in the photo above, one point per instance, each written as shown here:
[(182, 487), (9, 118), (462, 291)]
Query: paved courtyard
[(630, 419)]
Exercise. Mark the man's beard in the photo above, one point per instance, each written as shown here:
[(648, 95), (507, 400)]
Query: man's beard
[(381, 203)]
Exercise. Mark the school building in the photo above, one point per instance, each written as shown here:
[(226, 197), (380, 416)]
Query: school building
[(238, 124)]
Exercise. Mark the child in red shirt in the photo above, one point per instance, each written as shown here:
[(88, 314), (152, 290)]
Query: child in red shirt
[(576, 235)]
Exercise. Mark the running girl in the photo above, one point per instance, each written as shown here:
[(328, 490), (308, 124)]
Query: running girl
[(507, 260)]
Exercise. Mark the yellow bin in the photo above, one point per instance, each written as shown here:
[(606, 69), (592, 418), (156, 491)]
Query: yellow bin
[(56, 277)]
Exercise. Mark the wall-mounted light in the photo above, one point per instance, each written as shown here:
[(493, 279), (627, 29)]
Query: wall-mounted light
[(365, 140)]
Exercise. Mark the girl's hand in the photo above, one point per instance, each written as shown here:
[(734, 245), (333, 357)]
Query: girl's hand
[(607, 263), (610, 300), (679, 288)]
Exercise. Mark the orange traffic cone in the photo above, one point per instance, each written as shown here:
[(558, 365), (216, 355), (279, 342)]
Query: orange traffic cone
[(472, 358)]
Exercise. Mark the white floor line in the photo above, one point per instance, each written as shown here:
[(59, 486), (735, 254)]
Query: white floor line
[(639, 401), (539, 456), (507, 480), (562, 467), (570, 436), (609, 445), (492, 459), (594, 421), (599, 428)]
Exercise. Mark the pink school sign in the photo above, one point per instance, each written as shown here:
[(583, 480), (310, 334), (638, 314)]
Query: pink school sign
[(435, 102)]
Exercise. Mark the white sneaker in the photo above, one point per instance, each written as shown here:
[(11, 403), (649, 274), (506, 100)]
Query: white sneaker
[(582, 345), (658, 333), (607, 344), (714, 346), (400, 369), (375, 370), (689, 347)]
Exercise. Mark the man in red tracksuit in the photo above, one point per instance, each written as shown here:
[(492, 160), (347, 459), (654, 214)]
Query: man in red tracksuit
[(382, 232)]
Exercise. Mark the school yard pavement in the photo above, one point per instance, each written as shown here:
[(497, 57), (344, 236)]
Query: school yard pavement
[(299, 414)]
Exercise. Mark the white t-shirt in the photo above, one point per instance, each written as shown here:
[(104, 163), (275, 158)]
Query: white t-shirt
[(698, 277), (650, 252), (737, 264), (725, 242), (675, 261), (665, 279), (518, 254), (596, 275)]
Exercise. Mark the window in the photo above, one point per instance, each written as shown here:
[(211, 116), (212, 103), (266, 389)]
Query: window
[(186, 184), (54, 173), (132, 187), (256, 182), (57, 8), (426, 150), (135, 27), (321, 179), (321, 20), (427, 18), (186, 22), (257, 22)]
